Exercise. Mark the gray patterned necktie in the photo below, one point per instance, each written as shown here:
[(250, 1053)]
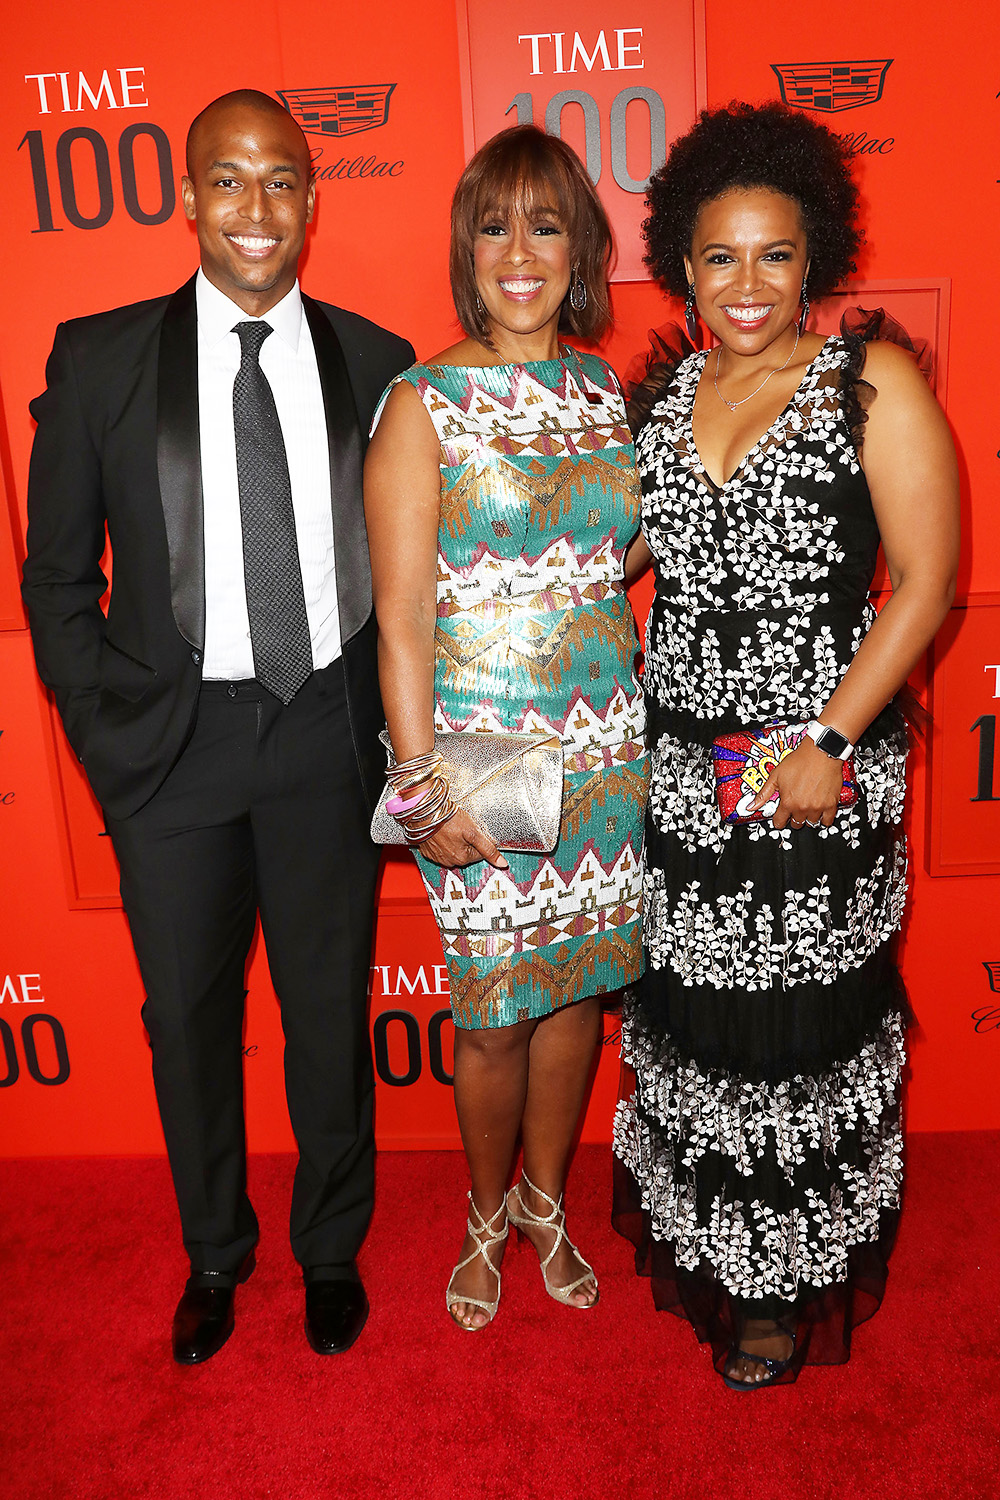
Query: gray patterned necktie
[(279, 627)]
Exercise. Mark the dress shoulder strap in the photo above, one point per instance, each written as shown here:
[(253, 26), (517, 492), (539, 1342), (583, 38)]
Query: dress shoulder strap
[(651, 373), (409, 377), (859, 327)]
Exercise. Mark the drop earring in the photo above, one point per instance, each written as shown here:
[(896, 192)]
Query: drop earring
[(577, 291), (805, 310), (690, 320)]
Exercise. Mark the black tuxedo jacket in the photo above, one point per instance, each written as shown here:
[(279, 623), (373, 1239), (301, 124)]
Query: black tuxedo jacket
[(117, 446)]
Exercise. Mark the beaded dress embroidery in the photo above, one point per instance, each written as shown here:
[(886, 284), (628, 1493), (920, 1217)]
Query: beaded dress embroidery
[(758, 1141)]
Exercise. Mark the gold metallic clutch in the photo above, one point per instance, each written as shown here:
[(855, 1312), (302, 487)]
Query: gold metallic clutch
[(510, 784)]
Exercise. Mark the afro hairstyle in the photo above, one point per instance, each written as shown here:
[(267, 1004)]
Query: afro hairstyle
[(755, 146)]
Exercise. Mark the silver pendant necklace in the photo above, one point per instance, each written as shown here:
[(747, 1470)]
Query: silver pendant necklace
[(743, 399)]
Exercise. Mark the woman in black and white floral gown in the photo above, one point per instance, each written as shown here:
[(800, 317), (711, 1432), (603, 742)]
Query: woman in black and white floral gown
[(758, 1139)]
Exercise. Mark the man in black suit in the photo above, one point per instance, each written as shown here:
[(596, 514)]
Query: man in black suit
[(226, 711)]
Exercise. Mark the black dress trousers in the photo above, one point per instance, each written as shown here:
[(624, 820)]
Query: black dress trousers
[(264, 811)]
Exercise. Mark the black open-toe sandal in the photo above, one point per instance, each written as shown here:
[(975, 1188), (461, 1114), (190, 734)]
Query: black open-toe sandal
[(775, 1369)]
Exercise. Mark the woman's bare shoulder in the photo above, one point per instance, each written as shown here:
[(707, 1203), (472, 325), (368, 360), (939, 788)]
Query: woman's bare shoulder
[(467, 353), (887, 366)]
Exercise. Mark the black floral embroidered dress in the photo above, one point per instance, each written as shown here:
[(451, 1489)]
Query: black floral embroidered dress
[(759, 1148)]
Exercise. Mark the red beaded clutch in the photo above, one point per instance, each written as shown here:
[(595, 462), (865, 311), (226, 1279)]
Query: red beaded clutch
[(743, 762)]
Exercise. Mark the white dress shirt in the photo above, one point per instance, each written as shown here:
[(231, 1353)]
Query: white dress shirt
[(288, 360)]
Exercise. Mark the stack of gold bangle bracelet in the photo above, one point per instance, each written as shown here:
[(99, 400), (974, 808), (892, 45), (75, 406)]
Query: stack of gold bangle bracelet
[(428, 813)]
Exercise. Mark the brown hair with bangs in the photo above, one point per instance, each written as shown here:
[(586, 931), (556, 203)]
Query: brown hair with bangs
[(523, 169)]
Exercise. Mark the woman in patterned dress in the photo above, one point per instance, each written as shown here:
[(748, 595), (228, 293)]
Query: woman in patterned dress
[(501, 497), (758, 1142)]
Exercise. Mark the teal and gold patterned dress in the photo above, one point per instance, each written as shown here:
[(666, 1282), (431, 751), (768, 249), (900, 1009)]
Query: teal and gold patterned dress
[(539, 500)]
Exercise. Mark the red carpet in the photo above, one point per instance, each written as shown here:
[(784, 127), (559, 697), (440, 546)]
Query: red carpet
[(620, 1402)]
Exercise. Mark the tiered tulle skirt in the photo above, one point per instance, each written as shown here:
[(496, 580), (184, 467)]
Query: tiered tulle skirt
[(758, 1139)]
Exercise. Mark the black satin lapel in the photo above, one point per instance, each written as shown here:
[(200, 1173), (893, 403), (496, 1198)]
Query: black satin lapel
[(178, 462), (354, 574)]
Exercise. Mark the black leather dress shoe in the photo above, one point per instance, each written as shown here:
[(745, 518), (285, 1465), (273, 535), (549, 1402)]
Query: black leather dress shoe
[(204, 1317), (336, 1312)]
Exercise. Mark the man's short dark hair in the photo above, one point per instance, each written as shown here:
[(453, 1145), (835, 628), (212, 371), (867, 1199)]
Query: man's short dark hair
[(245, 98)]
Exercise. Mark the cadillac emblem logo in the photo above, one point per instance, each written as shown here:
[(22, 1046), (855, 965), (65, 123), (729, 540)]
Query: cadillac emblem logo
[(831, 86), (333, 111), (992, 968)]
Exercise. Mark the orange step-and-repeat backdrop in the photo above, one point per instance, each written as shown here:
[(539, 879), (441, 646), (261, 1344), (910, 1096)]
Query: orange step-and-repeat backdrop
[(94, 104)]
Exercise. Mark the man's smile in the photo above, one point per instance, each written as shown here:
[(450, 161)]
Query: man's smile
[(257, 245)]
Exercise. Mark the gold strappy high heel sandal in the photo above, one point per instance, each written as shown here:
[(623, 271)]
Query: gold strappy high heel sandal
[(555, 1219), (486, 1235)]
